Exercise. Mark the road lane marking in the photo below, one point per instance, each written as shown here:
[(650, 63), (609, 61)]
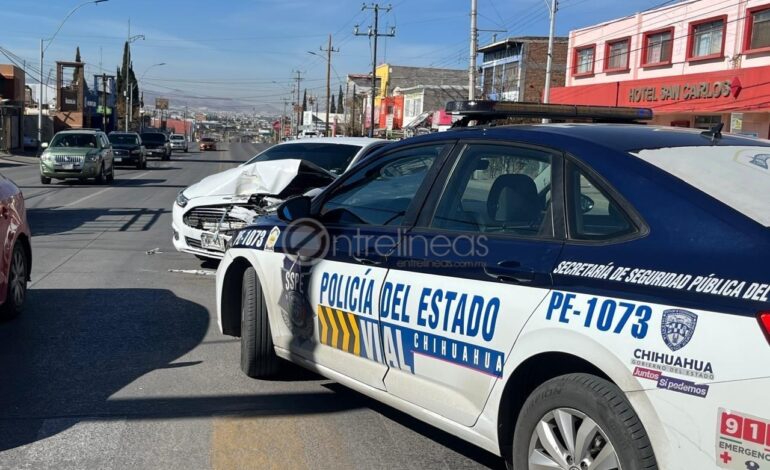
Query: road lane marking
[(84, 198)]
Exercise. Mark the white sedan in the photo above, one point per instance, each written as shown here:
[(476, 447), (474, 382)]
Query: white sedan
[(204, 213)]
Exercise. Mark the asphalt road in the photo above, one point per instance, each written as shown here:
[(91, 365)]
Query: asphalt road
[(117, 362)]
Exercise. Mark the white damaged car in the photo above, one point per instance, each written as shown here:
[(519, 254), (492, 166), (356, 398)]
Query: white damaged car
[(206, 213)]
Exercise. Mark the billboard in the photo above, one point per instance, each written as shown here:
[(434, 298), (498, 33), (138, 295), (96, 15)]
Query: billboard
[(161, 103)]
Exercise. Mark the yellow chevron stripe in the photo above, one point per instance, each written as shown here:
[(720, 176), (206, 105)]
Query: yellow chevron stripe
[(323, 324), (356, 335), (328, 315), (335, 327), (339, 329), (345, 332)]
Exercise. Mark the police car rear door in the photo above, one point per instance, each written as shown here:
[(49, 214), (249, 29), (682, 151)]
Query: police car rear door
[(465, 280), (363, 217)]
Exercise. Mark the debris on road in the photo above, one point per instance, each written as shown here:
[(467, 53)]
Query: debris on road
[(154, 251), (197, 272)]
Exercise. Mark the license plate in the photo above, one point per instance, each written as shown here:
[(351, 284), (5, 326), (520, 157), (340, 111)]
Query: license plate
[(212, 241), (68, 166), (118, 159)]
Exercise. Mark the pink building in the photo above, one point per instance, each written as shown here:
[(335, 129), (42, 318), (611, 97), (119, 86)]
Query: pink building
[(695, 62)]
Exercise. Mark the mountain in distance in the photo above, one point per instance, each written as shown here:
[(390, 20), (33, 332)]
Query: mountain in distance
[(213, 104)]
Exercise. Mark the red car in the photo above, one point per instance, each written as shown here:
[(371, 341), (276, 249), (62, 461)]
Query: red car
[(16, 259), (207, 143)]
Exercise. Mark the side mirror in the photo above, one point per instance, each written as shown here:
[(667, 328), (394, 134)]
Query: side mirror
[(44, 145), (586, 203), (294, 209)]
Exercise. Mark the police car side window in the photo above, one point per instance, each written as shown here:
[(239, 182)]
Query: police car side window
[(592, 213), (498, 189), (381, 195)]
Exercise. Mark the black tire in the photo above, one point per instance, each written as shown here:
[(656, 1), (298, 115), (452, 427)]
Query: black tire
[(186, 150), (258, 359), (139, 163), (16, 290), (144, 163), (44, 180), (111, 175), (101, 178), (596, 398)]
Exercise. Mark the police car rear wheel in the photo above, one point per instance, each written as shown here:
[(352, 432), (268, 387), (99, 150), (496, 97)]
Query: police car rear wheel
[(258, 357), (580, 422)]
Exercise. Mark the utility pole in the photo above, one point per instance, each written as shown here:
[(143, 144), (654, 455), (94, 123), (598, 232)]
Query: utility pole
[(329, 49), (474, 51), (549, 63), (374, 33), (298, 107), (104, 102), (283, 120)]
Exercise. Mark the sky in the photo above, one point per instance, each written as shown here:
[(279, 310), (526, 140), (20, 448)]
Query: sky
[(242, 54)]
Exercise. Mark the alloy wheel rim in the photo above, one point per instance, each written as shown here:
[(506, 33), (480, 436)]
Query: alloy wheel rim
[(568, 439), (18, 278)]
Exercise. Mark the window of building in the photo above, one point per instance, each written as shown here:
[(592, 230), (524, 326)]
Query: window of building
[(757, 28), (706, 39), (584, 60), (616, 55), (657, 47), (707, 122)]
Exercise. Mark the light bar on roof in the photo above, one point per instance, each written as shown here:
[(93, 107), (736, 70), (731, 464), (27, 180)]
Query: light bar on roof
[(538, 110)]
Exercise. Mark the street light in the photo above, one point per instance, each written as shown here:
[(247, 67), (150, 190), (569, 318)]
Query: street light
[(141, 77), (42, 53)]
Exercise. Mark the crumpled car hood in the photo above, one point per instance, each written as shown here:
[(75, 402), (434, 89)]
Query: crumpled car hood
[(270, 178)]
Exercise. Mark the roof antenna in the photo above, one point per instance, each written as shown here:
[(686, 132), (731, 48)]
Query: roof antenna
[(714, 133)]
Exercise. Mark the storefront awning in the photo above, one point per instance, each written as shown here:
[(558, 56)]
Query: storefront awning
[(746, 89)]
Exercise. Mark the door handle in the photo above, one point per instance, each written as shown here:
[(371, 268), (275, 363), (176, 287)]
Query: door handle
[(511, 272)]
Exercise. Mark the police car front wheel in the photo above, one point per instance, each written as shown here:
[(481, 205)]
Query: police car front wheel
[(580, 422), (258, 358)]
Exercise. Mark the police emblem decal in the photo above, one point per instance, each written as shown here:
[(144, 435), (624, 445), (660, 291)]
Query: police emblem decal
[(677, 328), (761, 160), (272, 238)]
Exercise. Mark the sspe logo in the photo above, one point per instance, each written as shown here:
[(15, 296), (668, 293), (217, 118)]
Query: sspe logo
[(677, 328)]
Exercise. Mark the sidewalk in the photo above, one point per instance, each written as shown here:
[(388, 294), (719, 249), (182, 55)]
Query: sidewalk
[(26, 157)]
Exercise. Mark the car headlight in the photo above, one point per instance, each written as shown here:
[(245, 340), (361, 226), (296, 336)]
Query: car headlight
[(136, 152), (181, 199), (46, 157), (92, 156)]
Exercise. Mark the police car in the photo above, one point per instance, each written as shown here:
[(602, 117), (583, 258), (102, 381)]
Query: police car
[(572, 296)]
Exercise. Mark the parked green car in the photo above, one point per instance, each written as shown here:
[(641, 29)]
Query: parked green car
[(78, 153)]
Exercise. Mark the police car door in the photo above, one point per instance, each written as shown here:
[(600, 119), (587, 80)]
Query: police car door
[(362, 217), (465, 280)]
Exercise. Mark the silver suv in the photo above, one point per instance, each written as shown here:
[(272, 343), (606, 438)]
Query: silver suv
[(81, 154), (178, 142)]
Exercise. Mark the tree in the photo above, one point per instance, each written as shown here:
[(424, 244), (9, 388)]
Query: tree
[(333, 108), (340, 101), (76, 73), (304, 101), (126, 78)]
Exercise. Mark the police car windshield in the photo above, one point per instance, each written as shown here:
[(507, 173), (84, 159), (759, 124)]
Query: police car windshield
[(330, 157), (734, 175)]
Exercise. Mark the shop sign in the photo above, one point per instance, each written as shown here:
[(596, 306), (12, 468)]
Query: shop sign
[(679, 92)]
